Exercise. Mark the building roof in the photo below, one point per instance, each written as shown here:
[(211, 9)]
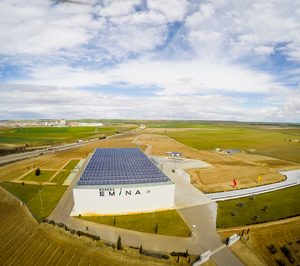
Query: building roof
[(118, 166)]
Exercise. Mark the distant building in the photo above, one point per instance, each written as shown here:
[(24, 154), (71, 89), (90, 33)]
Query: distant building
[(90, 124), (84, 124)]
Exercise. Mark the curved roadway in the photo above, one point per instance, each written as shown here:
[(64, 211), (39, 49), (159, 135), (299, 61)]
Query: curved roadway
[(292, 179), (200, 217)]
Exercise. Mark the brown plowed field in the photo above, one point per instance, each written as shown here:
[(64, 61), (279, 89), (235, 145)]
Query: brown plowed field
[(245, 168)]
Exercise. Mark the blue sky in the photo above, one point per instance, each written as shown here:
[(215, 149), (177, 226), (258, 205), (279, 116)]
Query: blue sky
[(150, 59)]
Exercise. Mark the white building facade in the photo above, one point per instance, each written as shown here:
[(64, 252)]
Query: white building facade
[(111, 200)]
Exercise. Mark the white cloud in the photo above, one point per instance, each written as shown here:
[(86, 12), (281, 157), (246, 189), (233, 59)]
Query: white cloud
[(53, 102), (68, 45), (236, 28), (36, 27), (115, 8), (172, 77), (173, 10)]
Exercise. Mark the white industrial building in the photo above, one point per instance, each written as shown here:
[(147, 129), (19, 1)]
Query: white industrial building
[(121, 181)]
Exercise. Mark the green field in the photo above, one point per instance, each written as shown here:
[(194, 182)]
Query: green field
[(177, 124), (44, 177), (258, 209), (61, 177), (168, 222), (71, 165), (50, 135), (278, 143), (41, 200)]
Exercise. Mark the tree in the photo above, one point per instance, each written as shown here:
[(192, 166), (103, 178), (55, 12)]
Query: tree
[(141, 249), (186, 253), (156, 229), (119, 244), (38, 172)]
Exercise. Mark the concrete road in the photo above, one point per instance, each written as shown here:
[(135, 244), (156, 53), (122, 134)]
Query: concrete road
[(200, 218), (292, 179), (186, 195), (203, 218)]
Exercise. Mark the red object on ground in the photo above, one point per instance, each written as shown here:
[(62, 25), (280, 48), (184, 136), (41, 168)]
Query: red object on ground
[(234, 182)]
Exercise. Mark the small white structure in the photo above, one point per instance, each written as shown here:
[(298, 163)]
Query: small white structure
[(121, 181), (232, 239), (204, 257)]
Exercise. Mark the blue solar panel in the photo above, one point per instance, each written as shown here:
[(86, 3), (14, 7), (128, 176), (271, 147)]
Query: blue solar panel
[(116, 166)]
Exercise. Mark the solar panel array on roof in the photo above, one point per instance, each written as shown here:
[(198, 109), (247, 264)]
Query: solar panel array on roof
[(118, 166)]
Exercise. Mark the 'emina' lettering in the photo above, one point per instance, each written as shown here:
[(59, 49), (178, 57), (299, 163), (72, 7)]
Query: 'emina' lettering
[(109, 192)]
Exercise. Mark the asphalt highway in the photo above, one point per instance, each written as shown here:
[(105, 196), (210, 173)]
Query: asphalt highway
[(26, 155)]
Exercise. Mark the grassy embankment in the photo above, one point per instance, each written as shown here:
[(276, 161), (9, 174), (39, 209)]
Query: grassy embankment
[(164, 223), (265, 207), (41, 200), (24, 242)]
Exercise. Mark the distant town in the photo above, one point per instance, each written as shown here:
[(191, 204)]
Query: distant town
[(47, 123)]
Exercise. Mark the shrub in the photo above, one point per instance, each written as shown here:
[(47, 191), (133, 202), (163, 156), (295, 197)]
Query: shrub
[(272, 249), (255, 217), (38, 172), (60, 224), (155, 255), (180, 254), (240, 204), (156, 229), (286, 251), (280, 262), (119, 243)]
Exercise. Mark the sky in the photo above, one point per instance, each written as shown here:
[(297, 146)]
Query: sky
[(150, 59)]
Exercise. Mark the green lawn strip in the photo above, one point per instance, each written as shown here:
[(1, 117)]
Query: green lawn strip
[(61, 176), (44, 177), (29, 194), (71, 165), (265, 207), (168, 222)]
